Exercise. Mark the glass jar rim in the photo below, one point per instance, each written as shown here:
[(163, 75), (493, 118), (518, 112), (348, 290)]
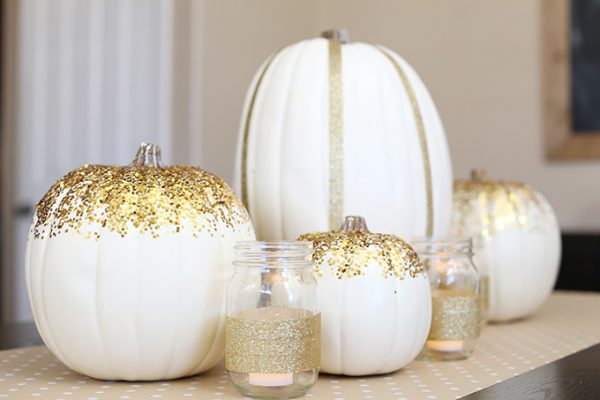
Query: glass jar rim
[(273, 244), (273, 253), (441, 240), (432, 245)]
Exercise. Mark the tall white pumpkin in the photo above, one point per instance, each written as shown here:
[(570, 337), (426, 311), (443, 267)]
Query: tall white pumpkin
[(331, 128), (375, 300), (127, 266), (519, 242)]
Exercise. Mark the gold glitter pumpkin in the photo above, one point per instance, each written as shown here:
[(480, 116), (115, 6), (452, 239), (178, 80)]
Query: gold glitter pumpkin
[(518, 239), (127, 266), (375, 300)]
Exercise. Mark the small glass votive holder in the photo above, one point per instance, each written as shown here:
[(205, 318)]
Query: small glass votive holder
[(455, 291), (273, 326), (481, 263)]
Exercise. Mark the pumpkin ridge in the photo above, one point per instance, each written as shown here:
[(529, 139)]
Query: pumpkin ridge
[(246, 131), (421, 132), (288, 92), (96, 313), (48, 330)]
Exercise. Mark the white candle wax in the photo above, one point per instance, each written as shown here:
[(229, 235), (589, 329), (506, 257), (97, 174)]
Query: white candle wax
[(446, 345), (271, 380)]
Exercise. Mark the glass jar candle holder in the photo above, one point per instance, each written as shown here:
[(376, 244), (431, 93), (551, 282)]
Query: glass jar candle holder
[(273, 328), (484, 280), (455, 291)]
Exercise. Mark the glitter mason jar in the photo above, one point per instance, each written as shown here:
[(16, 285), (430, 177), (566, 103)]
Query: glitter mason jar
[(273, 328), (455, 292)]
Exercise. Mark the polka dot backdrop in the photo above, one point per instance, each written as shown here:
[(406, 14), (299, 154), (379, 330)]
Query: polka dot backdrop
[(567, 323)]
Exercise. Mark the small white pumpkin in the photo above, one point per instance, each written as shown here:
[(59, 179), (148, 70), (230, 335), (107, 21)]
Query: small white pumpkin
[(127, 267), (519, 242), (332, 128), (375, 300)]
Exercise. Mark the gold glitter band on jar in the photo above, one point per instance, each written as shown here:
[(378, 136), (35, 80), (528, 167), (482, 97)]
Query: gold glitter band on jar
[(273, 340), (484, 297), (455, 315), (455, 302)]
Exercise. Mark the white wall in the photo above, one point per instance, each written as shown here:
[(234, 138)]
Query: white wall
[(239, 36), (480, 60)]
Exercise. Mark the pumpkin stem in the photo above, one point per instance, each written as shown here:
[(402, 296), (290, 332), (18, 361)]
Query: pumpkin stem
[(339, 35), (148, 155), (479, 175), (354, 223)]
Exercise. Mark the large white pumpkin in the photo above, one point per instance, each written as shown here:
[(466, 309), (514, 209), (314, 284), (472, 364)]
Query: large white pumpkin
[(332, 128), (127, 268), (519, 241), (375, 300)]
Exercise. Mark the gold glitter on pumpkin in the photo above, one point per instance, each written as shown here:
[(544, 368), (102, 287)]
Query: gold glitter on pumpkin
[(350, 252), (150, 200), (482, 208)]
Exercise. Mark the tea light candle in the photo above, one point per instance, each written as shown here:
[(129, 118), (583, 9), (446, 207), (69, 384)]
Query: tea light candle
[(446, 345), (270, 380)]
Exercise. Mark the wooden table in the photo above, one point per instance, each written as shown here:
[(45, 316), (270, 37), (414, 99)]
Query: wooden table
[(541, 357)]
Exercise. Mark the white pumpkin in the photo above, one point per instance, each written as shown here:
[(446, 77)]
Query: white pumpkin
[(127, 268), (332, 128), (375, 300), (519, 242)]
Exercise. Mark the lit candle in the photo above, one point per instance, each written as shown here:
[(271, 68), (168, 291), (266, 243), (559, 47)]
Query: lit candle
[(270, 380), (446, 345)]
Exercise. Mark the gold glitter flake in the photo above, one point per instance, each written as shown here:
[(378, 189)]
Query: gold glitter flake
[(94, 198), (273, 340), (454, 315), (349, 253)]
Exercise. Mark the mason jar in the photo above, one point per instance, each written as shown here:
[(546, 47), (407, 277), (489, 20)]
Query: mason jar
[(455, 291), (480, 261), (273, 326)]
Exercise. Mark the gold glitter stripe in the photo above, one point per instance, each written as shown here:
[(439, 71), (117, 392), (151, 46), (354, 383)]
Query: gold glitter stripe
[(422, 138), (336, 136), (259, 345), (244, 162)]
